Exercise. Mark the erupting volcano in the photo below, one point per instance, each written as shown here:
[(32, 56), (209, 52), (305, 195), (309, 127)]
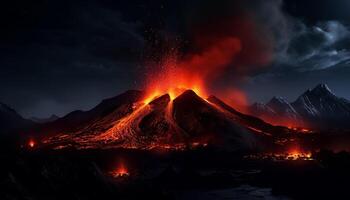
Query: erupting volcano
[(135, 120), (175, 110)]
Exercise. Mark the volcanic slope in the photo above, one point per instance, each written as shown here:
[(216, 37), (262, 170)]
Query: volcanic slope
[(162, 123)]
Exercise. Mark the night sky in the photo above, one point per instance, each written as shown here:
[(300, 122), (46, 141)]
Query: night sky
[(60, 55)]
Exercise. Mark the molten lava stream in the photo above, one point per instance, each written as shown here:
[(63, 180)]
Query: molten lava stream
[(125, 128)]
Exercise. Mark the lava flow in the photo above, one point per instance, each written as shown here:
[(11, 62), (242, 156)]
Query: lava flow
[(120, 171)]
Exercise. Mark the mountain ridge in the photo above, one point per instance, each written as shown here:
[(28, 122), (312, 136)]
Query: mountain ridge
[(318, 108), (11, 121)]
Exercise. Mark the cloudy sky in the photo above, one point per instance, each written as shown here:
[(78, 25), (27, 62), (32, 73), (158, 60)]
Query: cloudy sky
[(59, 56)]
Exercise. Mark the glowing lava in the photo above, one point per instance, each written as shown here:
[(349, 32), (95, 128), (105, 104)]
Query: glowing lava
[(299, 155), (31, 143), (126, 127), (300, 130), (121, 171), (296, 153), (195, 71), (173, 93)]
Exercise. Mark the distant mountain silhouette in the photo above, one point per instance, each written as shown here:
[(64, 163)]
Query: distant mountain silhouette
[(11, 121), (318, 108), (44, 120), (11, 126)]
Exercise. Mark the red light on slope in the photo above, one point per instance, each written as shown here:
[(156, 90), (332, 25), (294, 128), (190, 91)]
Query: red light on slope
[(304, 130), (121, 171), (31, 143), (297, 154)]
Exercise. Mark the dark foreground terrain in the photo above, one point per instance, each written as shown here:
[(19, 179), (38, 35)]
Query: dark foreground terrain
[(198, 174)]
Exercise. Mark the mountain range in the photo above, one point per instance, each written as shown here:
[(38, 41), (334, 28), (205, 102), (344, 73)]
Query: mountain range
[(316, 108), (44, 120)]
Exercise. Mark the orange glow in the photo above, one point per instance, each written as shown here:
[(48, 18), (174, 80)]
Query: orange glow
[(229, 47), (121, 171), (173, 91), (123, 128), (174, 84), (31, 143), (194, 72), (292, 155), (151, 96), (304, 130), (259, 131), (282, 121), (235, 98), (296, 154), (300, 130)]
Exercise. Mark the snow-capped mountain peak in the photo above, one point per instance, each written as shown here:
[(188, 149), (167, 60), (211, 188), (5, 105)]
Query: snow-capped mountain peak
[(321, 90), (281, 106), (317, 107)]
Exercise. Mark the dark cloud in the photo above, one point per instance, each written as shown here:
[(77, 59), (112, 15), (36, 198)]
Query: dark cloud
[(68, 62), (312, 44), (317, 47), (313, 11)]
